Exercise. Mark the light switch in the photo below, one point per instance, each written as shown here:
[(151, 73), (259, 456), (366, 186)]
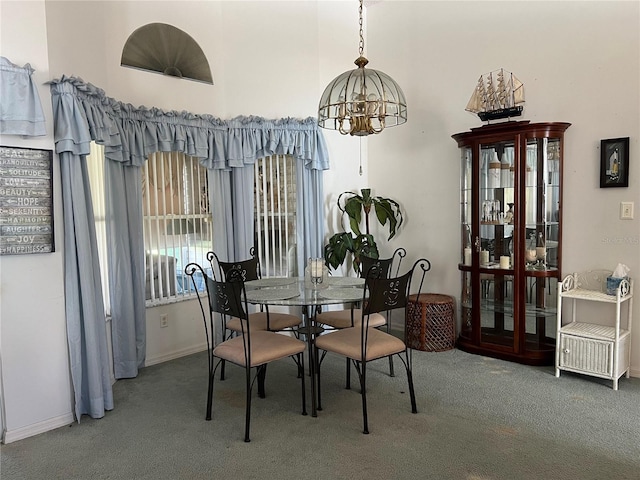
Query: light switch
[(626, 210)]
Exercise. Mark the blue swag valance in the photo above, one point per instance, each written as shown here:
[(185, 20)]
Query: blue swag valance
[(130, 133), (227, 148)]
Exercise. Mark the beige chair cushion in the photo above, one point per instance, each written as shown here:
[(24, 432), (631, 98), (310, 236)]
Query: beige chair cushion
[(342, 318), (265, 347), (258, 321), (346, 342)]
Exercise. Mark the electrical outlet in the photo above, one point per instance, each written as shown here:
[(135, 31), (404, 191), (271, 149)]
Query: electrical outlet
[(164, 320), (626, 210)]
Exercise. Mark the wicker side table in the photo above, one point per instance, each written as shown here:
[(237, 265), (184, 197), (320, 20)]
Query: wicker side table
[(430, 323)]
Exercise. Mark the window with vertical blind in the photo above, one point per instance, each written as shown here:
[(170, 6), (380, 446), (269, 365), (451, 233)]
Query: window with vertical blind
[(177, 220), (275, 214)]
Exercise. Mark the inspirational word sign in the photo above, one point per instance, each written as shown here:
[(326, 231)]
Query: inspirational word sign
[(26, 201)]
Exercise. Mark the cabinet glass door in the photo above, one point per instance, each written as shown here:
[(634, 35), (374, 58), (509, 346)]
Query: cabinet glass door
[(496, 225), (466, 235), (466, 185), (542, 207)]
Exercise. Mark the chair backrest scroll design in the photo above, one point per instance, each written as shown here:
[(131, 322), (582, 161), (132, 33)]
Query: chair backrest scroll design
[(387, 294), (229, 299), (424, 266), (382, 265), (389, 266), (399, 253), (250, 268), (194, 270), (214, 263)]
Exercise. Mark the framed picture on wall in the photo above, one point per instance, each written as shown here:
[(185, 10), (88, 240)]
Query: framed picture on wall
[(26, 201), (614, 162)]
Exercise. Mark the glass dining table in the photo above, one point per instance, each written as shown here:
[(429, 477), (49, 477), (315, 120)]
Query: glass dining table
[(298, 292)]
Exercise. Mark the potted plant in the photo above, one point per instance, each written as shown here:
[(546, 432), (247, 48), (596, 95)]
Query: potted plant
[(358, 207)]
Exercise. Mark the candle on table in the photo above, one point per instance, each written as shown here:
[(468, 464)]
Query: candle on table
[(316, 267)]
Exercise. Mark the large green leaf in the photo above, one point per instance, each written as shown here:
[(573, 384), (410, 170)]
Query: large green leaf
[(363, 245), (366, 196), (353, 208), (388, 210), (340, 244), (336, 250)]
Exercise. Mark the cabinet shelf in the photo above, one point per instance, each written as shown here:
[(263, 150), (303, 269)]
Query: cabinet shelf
[(485, 189), (529, 272), (506, 307)]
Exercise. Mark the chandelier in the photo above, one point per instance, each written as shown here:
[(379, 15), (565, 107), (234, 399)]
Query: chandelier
[(362, 101)]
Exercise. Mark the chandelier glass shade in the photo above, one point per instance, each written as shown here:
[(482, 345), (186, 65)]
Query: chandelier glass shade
[(362, 101)]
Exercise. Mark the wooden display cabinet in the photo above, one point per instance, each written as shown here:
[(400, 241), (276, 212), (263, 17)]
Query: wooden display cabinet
[(511, 239)]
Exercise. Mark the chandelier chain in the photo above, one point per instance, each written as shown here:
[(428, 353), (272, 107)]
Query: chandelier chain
[(361, 44)]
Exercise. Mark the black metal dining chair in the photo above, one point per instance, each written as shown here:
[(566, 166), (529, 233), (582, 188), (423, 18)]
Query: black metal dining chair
[(251, 349), (363, 343), (350, 317), (262, 320)]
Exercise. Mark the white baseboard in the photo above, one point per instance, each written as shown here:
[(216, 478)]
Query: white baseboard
[(37, 428), (634, 372), (67, 419), (175, 354)]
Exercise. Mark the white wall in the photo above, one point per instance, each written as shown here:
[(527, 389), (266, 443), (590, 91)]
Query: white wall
[(579, 62), (33, 342), (273, 59)]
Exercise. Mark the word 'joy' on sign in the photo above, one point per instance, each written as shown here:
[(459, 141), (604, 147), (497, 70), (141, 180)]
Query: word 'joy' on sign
[(26, 201)]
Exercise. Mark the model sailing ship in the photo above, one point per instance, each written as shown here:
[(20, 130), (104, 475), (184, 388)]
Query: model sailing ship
[(498, 94)]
